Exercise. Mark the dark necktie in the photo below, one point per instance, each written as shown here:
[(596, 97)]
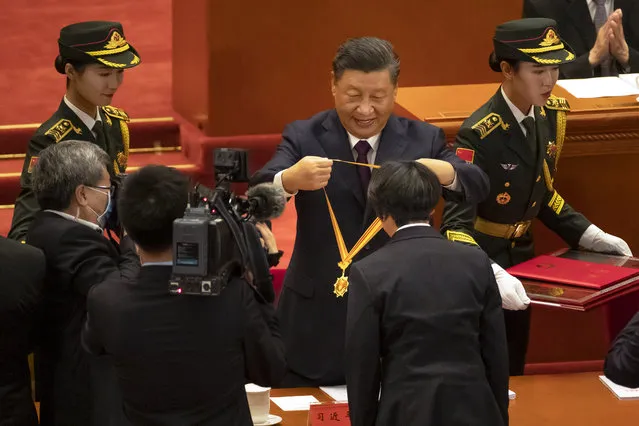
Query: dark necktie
[(531, 134), (601, 16), (100, 136), (362, 148)]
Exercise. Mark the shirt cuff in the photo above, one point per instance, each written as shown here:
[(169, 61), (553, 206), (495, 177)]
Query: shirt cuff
[(455, 186), (277, 181)]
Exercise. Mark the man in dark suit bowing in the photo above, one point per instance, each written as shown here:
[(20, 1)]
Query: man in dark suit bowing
[(363, 129), (603, 33), (73, 188), (424, 318)]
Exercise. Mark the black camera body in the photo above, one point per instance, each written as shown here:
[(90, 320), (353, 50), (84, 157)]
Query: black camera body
[(216, 239)]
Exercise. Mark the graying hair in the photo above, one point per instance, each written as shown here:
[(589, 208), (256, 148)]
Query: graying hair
[(62, 167), (366, 54)]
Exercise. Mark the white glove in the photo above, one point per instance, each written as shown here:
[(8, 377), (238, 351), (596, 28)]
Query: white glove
[(513, 294), (594, 239)]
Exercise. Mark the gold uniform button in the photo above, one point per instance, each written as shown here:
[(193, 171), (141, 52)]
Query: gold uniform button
[(534, 203), (538, 178), (507, 184)]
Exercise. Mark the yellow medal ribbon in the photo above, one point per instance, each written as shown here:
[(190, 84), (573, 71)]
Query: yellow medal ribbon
[(374, 166), (341, 285)]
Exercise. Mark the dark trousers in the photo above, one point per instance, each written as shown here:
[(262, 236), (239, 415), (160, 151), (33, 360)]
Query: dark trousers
[(517, 334)]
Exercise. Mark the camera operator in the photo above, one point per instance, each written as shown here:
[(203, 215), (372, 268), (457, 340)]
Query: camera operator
[(73, 188), (180, 359)]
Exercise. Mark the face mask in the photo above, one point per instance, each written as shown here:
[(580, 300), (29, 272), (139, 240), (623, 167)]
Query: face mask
[(102, 218)]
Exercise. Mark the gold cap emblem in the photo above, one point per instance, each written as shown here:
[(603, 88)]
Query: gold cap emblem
[(116, 41), (550, 39)]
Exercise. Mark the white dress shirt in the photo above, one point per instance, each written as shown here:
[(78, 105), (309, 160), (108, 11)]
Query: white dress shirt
[(83, 116), (373, 141), (592, 6), (76, 219), (519, 116), (411, 225)]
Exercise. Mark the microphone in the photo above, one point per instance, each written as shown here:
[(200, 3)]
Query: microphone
[(266, 201)]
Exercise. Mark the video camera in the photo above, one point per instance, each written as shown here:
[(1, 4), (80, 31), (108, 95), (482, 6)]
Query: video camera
[(217, 239)]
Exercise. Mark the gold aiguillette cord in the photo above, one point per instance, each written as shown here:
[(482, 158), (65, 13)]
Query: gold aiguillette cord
[(341, 285)]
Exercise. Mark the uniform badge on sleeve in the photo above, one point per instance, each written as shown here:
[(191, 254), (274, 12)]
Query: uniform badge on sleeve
[(488, 124), (468, 155)]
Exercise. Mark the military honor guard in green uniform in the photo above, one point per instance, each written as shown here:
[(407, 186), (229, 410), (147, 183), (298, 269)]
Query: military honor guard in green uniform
[(93, 56), (516, 138)]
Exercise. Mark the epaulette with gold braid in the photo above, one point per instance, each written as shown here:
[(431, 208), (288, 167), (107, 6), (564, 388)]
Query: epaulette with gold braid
[(557, 103), (62, 128), (116, 112), (488, 124)]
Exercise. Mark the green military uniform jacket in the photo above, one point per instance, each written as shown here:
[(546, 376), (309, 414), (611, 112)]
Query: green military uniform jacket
[(521, 186), (66, 125)]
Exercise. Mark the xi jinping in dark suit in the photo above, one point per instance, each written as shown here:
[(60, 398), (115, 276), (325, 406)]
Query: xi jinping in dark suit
[(361, 128), (424, 318)]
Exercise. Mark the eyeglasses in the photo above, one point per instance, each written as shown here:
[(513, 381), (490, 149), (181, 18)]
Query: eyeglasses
[(110, 188)]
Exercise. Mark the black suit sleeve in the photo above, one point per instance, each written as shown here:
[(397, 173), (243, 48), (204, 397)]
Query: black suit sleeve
[(85, 256), (23, 269), (286, 155), (633, 60), (458, 218), (492, 338), (363, 369), (265, 359), (473, 181), (622, 362), (562, 219), (26, 205), (92, 339), (579, 68)]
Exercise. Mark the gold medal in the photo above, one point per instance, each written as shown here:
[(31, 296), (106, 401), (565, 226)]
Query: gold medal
[(341, 286)]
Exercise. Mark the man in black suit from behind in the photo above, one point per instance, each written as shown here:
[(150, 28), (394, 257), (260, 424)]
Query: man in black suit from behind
[(622, 362), (180, 360), (424, 318), (73, 188), (360, 128), (22, 269), (603, 33)]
